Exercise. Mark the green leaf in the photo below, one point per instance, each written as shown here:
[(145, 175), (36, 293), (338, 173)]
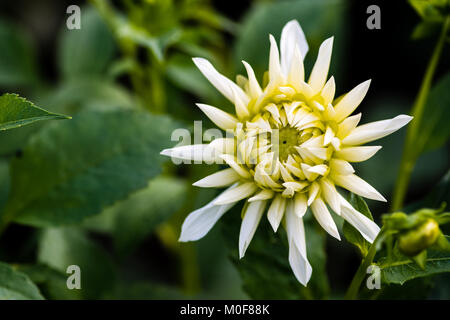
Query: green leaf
[(15, 285), (52, 283), (69, 172), (265, 270), (87, 51), (17, 58), (157, 45), (319, 19), (16, 112), (435, 131), (351, 234), (400, 269), (60, 248), (133, 219), (430, 10), (425, 29)]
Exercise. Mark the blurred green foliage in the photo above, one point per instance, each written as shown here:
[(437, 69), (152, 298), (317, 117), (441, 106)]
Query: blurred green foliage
[(93, 191)]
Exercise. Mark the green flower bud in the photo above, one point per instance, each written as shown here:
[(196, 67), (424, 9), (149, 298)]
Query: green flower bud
[(414, 241)]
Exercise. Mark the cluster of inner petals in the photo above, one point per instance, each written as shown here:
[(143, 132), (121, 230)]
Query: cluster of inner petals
[(288, 146)]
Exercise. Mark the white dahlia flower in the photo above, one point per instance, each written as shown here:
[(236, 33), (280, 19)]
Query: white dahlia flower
[(292, 143)]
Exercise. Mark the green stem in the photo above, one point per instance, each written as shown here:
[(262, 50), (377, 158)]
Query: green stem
[(352, 291), (410, 152)]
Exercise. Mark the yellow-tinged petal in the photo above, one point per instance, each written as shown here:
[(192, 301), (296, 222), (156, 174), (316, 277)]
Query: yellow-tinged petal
[(319, 72)]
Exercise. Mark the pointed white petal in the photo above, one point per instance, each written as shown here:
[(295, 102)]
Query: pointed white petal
[(237, 193), (220, 118), (328, 91), (324, 218), (195, 152), (338, 166), (300, 205), (357, 154), (276, 211), (357, 185), (199, 222), (297, 246), (313, 192), (331, 195), (231, 161), (368, 229), (265, 194), (296, 75), (351, 101), (376, 130), (274, 62), (254, 87), (222, 83), (250, 222), (346, 126), (219, 179), (319, 72), (291, 36)]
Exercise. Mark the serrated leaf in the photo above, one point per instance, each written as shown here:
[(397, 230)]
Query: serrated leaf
[(60, 248), (265, 270), (401, 270), (16, 112), (351, 234), (15, 285), (69, 172)]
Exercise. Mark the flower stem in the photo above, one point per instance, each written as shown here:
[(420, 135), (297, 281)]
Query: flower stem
[(410, 152), (352, 291)]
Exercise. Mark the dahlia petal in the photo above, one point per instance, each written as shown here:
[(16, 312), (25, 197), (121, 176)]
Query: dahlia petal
[(199, 222), (240, 105), (324, 218), (253, 85), (351, 101), (376, 130), (231, 161), (357, 185), (297, 246), (313, 192), (292, 36), (250, 222), (276, 211), (346, 126), (265, 194), (220, 118), (319, 72), (331, 195), (275, 73), (368, 229), (328, 91), (219, 81), (296, 75), (239, 192), (194, 152), (339, 166), (219, 179), (300, 204), (357, 154)]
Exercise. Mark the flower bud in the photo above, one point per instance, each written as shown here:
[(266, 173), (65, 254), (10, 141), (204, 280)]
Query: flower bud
[(414, 241)]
